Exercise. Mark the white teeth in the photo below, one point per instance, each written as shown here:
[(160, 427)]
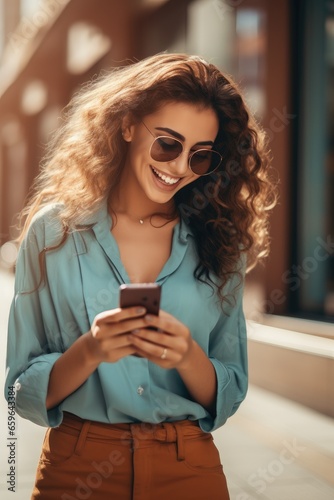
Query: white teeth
[(166, 178)]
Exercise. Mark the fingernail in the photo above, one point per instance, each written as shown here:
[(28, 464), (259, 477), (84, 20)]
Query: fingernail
[(140, 310), (148, 317), (135, 331)]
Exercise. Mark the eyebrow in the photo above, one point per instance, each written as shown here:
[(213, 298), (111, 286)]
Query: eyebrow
[(181, 137)]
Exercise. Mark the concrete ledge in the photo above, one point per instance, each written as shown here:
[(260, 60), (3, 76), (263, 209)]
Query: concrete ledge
[(294, 365), (317, 328)]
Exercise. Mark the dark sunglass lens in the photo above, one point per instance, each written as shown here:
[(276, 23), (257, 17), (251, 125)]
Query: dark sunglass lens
[(203, 161), (165, 149)]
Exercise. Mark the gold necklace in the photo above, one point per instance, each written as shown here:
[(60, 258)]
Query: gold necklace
[(169, 218)]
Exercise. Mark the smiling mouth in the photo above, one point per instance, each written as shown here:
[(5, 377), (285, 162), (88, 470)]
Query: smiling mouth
[(166, 179)]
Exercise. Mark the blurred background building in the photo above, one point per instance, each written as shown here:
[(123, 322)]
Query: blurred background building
[(282, 55)]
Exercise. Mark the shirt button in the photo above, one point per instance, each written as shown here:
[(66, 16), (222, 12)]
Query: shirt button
[(140, 390), (17, 386)]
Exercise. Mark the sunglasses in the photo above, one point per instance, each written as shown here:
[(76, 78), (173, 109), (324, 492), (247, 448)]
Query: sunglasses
[(166, 148)]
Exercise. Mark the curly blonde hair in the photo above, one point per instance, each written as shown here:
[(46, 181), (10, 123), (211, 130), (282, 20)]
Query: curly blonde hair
[(227, 210)]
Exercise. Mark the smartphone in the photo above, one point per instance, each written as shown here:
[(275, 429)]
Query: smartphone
[(141, 294)]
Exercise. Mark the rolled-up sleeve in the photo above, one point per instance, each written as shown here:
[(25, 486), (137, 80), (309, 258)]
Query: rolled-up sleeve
[(29, 358), (228, 354), (31, 390)]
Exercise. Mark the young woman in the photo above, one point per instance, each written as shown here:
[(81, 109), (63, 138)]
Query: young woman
[(159, 174)]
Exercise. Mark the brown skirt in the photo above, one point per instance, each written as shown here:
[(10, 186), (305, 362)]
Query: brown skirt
[(83, 460)]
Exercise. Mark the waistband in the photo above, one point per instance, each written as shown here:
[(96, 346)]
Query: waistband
[(142, 434)]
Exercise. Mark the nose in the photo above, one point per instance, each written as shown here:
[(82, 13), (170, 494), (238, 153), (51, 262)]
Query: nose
[(180, 166)]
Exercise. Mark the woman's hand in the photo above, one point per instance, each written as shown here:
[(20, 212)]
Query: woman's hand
[(170, 346), (108, 339)]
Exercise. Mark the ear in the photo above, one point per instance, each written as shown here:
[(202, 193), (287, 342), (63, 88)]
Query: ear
[(127, 128)]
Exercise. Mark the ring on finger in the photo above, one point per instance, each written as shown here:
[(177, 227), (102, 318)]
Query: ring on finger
[(164, 354)]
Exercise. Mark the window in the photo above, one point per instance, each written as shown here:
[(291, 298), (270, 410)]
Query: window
[(329, 65), (312, 280)]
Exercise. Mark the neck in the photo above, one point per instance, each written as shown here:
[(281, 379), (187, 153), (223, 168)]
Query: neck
[(129, 199)]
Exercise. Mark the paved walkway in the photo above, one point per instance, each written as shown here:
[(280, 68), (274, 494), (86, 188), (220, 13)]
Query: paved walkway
[(275, 449), (272, 449)]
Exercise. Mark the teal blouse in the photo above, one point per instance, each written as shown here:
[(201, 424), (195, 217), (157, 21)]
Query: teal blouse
[(82, 280)]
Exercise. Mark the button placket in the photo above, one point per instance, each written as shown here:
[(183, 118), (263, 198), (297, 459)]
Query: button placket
[(140, 390)]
